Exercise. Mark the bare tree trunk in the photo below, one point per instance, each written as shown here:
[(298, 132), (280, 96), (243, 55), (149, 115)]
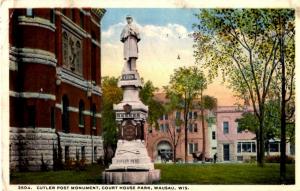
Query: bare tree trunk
[(203, 128), (283, 115)]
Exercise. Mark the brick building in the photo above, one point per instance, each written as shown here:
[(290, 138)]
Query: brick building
[(55, 92), (160, 142)]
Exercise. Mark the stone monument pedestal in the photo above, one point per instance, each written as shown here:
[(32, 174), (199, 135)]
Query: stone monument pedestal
[(131, 165)]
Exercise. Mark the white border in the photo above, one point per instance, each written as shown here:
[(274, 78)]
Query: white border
[(4, 67)]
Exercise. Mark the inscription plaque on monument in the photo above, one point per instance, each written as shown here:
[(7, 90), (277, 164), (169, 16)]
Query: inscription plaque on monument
[(129, 132)]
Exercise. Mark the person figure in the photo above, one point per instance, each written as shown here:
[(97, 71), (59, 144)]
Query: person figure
[(130, 36), (215, 157)]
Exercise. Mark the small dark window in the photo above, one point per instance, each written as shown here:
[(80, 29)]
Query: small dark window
[(178, 115), (161, 117), (67, 153), (83, 152), (190, 128), (195, 127), (213, 135), (95, 153), (177, 129), (52, 16), (166, 116), (195, 115), (150, 130), (190, 115), (225, 127), (166, 127), (31, 116), (81, 19)]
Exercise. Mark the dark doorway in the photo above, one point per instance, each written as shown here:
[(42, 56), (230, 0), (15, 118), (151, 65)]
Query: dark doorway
[(226, 152)]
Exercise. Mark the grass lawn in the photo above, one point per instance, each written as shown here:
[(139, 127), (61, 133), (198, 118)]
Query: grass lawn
[(92, 175), (223, 174), (170, 174)]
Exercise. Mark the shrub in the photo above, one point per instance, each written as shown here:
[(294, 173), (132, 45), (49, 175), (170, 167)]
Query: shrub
[(69, 164), (44, 165), (100, 161), (276, 159)]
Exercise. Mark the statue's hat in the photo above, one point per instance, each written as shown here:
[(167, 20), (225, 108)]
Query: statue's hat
[(128, 17)]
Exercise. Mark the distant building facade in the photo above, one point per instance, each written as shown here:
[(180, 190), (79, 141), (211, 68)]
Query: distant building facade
[(160, 140), (222, 132), (234, 144), (55, 92)]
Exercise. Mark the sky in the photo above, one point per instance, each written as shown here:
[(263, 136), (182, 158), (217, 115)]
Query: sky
[(164, 38)]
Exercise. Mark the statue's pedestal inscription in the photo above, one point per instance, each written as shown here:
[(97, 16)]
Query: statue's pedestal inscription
[(131, 163)]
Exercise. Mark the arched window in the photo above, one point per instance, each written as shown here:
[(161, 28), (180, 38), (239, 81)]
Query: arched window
[(81, 116), (65, 114)]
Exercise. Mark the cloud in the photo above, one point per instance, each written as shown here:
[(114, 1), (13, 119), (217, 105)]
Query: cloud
[(158, 51)]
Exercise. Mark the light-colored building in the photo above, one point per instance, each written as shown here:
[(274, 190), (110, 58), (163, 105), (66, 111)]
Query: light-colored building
[(233, 144)]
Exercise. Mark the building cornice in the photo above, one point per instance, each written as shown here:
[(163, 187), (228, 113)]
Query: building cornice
[(36, 21), (31, 55)]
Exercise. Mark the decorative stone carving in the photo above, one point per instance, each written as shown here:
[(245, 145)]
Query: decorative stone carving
[(72, 52)]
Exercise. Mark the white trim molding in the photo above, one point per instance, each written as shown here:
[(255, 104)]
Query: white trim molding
[(36, 95), (13, 64), (95, 22), (74, 109), (96, 43), (31, 55), (36, 21)]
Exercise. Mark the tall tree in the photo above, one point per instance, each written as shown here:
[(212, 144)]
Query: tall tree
[(112, 94), (186, 82), (174, 104), (156, 109), (206, 103), (283, 26), (240, 43)]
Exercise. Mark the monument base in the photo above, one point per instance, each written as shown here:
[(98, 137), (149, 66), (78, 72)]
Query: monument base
[(131, 177), (131, 165)]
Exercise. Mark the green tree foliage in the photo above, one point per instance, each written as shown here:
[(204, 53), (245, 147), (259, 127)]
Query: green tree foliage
[(155, 108), (244, 45), (186, 83), (112, 94)]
